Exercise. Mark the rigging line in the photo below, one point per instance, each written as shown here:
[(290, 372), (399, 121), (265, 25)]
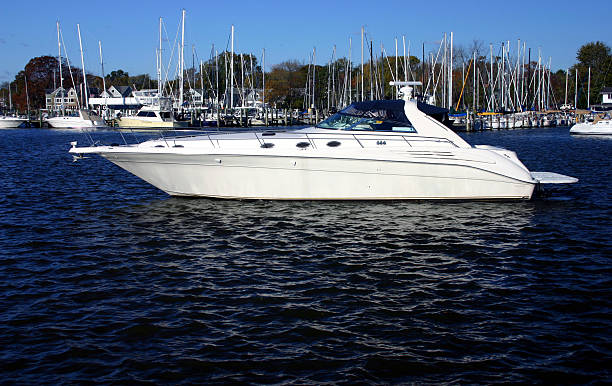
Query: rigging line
[(69, 70), (433, 71), (389, 64), (464, 82), (166, 81)]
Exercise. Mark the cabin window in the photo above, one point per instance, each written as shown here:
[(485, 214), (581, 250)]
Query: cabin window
[(370, 115), (341, 121)]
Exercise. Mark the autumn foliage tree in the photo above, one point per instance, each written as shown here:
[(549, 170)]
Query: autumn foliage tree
[(41, 74)]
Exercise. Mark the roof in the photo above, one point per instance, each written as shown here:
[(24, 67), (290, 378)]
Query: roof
[(58, 91), (606, 90), (124, 91)]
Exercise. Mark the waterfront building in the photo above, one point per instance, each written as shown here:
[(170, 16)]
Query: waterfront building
[(606, 100), (60, 98)]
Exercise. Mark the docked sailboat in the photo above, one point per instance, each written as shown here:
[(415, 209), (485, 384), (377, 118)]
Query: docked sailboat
[(81, 118), (368, 151)]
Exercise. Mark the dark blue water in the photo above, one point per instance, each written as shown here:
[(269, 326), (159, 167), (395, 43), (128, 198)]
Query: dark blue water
[(104, 278)]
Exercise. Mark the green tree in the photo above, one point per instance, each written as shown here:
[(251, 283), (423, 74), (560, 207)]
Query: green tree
[(118, 78), (596, 56)]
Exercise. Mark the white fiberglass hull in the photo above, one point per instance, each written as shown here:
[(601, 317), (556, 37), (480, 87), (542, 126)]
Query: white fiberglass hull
[(317, 178), (10, 122), (598, 128), (73, 123)]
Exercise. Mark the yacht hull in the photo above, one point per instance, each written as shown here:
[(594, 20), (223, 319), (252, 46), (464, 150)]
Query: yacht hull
[(317, 178)]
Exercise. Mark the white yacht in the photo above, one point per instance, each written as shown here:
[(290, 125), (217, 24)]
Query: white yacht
[(601, 127), (80, 120), (151, 117), (10, 122), (368, 151)]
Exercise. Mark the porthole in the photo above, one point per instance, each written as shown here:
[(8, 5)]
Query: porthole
[(333, 143), (303, 145), (268, 133), (267, 145)]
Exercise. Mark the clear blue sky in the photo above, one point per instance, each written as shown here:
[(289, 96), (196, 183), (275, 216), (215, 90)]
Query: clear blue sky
[(289, 29)]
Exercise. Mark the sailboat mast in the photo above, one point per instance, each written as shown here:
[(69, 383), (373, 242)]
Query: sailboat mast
[(350, 72), (405, 59), (83, 65), (59, 58), (576, 91), (474, 75), (263, 78), (450, 73), (502, 95), (396, 67), (589, 91), (362, 81), (371, 75), (566, 76), (314, 74), (201, 83), (523, 78), (159, 62), (182, 61), (25, 78), (103, 80), (335, 99), (232, 72), (492, 106), (241, 80), (217, 76)]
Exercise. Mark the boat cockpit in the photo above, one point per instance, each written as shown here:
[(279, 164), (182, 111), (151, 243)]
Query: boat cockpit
[(381, 115)]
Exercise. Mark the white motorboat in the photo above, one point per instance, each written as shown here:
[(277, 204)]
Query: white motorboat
[(80, 120), (601, 127), (9, 122), (152, 117), (368, 151)]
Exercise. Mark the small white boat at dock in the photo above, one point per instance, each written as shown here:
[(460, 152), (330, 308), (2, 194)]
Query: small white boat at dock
[(82, 119), (9, 122)]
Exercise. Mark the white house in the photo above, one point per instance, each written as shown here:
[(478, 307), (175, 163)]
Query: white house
[(607, 95), (606, 100)]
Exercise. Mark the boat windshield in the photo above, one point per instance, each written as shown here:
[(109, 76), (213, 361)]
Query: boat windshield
[(371, 115)]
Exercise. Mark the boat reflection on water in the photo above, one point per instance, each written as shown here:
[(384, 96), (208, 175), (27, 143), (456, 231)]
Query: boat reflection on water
[(309, 228)]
